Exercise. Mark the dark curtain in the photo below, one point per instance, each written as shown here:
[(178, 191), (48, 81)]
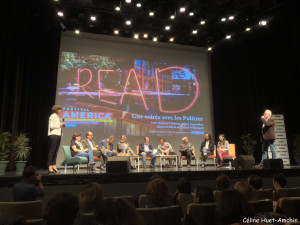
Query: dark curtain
[(257, 71), (29, 44)]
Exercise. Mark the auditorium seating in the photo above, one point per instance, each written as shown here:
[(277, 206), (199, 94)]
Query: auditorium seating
[(200, 214), (217, 195), (161, 215), (288, 192), (261, 206), (261, 194), (184, 200), (86, 218), (73, 161), (143, 200), (290, 207), (194, 157)]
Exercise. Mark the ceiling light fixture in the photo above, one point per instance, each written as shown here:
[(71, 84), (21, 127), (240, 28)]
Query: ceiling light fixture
[(151, 13), (191, 14), (209, 48), (93, 18), (145, 36), (223, 19), (171, 39), (195, 31), (262, 23), (128, 22), (128, 1), (118, 8), (167, 27), (202, 22), (77, 31), (138, 5), (228, 36), (136, 36), (116, 32), (248, 29), (231, 17), (155, 39), (60, 14), (172, 17), (182, 9)]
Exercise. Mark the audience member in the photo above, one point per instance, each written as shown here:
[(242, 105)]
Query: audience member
[(255, 181), (222, 182), (184, 186), (155, 176), (158, 193), (89, 196), (203, 194), (62, 209), (244, 188), (279, 181), (30, 187)]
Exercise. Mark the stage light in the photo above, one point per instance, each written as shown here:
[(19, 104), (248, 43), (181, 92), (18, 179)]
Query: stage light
[(262, 23), (136, 36), (128, 1), (182, 9), (191, 14), (248, 29), (151, 13), (77, 31), (60, 14), (202, 22), (209, 48), (116, 32), (228, 36), (145, 35), (128, 22), (155, 39), (231, 17), (93, 18), (223, 19), (172, 17), (167, 27), (118, 8), (195, 31), (138, 5), (171, 39)]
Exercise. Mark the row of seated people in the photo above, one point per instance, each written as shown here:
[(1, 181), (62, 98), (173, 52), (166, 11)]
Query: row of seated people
[(231, 206), (88, 148)]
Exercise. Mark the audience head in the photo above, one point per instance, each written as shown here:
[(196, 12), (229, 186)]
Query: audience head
[(222, 182), (76, 137), (244, 188), (62, 209), (184, 185), (155, 176), (89, 135), (111, 138), (89, 196), (279, 181), (207, 137), (185, 140), (203, 194), (116, 211), (222, 138), (158, 192), (255, 181), (56, 109), (30, 173), (232, 207), (146, 140)]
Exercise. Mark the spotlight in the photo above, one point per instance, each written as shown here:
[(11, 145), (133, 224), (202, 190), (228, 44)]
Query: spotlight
[(60, 14), (195, 31), (172, 17), (145, 35), (136, 36), (128, 1), (77, 31), (228, 36), (128, 22), (191, 14), (93, 18), (202, 22), (231, 17), (116, 32), (151, 13), (223, 19), (155, 39), (138, 5), (262, 23), (118, 8), (182, 9), (171, 39), (248, 29), (167, 27), (209, 48)]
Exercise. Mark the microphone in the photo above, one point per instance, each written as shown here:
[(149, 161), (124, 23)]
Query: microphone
[(63, 119)]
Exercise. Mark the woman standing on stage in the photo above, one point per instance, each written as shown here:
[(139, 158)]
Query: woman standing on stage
[(222, 149), (55, 132)]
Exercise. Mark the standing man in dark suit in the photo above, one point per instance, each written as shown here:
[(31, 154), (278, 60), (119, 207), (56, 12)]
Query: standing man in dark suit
[(268, 136), (145, 149)]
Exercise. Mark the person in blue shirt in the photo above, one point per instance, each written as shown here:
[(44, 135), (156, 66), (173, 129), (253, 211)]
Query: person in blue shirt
[(106, 147)]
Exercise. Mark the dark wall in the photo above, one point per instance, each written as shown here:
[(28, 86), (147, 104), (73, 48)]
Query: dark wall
[(249, 73)]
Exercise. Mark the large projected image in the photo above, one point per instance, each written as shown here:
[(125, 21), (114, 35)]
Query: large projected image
[(129, 95)]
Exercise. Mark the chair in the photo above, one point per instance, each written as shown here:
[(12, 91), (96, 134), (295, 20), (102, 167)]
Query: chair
[(161, 215), (130, 199), (138, 153), (231, 156), (73, 161), (288, 192), (184, 201), (86, 218), (29, 209), (194, 157), (290, 207), (261, 206), (213, 156), (143, 200), (217, 195), (34, 222), (200, 214), (261, 194)]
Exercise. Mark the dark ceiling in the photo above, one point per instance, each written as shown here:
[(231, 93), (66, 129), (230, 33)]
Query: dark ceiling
[(247, 13)]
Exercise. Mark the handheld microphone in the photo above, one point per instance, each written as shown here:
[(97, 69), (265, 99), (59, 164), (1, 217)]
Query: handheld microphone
[(63, 121)]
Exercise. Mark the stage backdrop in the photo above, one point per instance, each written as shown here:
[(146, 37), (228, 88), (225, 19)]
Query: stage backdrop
[(115, 86)]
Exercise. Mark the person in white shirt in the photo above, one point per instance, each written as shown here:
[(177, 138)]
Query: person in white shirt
[(54, 132)]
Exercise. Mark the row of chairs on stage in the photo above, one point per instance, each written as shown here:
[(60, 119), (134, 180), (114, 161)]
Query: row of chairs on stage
[(77, 160)]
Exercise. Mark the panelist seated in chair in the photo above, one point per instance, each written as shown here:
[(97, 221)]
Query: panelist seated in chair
[(78, 150), (89, 143), (207, 148), (145, 149), (222, 149), (123, 146), (186, 149), (165, 148), (106, 146)]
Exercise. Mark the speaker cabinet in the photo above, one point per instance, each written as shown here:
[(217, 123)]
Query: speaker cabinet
[(273, 164), (118, 164), (244, 162)]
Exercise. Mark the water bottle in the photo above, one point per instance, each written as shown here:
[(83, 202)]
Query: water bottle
[(229, 164)]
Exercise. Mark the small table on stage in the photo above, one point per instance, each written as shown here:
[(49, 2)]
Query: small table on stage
[(166, 157), (131, 156)]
